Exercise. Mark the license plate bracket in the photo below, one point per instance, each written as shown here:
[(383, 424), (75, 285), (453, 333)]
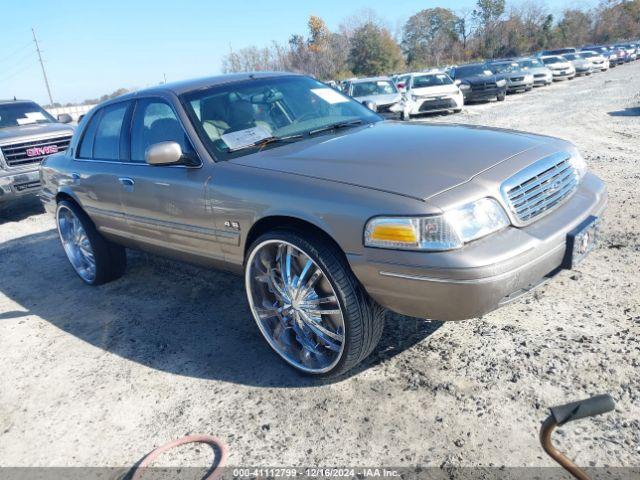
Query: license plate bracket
[(581, 241)]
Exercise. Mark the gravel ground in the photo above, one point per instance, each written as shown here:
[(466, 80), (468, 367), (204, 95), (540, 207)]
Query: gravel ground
[(99, 376)]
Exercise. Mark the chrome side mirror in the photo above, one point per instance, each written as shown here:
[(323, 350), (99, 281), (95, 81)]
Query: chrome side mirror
[(65, 118), (370, 105), (167, 153)]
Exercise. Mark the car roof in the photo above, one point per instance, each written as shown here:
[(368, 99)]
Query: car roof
[(15, 100), (185, 86), (477, 64)]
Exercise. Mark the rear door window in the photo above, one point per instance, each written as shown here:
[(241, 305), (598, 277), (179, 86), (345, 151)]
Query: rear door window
[(106, 145)]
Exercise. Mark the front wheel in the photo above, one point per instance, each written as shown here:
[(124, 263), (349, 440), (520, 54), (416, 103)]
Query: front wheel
[(94, 259), (501, 97), (308, 304)]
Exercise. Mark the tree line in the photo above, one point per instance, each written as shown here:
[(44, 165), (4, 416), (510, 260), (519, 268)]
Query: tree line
[(364, 45)]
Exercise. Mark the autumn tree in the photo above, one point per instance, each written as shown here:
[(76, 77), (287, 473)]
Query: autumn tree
[(429, 35), (374, 51)]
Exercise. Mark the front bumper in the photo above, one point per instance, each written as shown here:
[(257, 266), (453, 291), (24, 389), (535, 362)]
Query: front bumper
[(18, 184), (437, 103), (471, 95), (519, 85), (563, 74), (542, 80), (485, 274)]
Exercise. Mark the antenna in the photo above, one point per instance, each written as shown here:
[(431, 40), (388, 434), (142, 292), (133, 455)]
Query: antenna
[(44, 73)]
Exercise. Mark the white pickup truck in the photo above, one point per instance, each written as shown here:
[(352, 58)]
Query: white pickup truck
[(27, 135)]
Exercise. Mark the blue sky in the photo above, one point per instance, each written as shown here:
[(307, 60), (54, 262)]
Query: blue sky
[(94, 47)]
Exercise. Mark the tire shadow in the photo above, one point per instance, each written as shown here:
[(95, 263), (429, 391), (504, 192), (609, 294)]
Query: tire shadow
[(167, 315)]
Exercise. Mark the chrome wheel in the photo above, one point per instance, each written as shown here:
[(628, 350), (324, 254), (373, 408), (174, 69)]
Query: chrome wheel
[(295, 306), (76, 244)]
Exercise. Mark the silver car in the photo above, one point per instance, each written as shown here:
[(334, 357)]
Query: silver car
[(518, 79), (378, 93), (542, 75), (330, 213), (581, 64)]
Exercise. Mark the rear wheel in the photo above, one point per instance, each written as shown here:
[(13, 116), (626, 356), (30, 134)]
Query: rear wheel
[(308, 305), (94, 259)]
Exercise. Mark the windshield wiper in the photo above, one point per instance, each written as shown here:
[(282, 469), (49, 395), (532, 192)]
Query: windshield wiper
[(267, 141), (335, 126)]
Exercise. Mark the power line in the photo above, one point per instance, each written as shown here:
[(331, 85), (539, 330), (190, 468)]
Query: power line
[(44, 73), (20, 49), (14, 74)]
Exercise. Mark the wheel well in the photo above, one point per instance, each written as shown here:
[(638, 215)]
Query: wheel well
[(267, 224), (64, 196)]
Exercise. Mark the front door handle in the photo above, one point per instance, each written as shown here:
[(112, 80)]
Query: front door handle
[(127, 183), (75, 177)]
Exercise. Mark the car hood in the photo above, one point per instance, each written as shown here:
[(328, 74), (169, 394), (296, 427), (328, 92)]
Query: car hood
[(436, 90), (518, 73), (27, 131), (415, 160), (559, 66), (381, 99), (481, 78), (537, 70)]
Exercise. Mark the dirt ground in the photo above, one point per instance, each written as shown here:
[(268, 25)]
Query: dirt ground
[(100, 376)]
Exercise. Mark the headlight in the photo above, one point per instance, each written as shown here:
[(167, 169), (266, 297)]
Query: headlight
[(464, 86), (579, 164), (501, 83), (439, 232)]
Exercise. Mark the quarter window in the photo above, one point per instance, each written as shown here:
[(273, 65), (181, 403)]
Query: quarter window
[(155, 121), (106, 145), (86, 147)]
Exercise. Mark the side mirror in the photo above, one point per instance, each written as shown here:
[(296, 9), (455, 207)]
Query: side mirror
[(65, 118), (457, 82), (370, 105), (167, 153)]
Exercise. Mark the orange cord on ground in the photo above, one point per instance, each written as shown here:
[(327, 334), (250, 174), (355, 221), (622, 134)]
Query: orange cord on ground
[(208, 439)]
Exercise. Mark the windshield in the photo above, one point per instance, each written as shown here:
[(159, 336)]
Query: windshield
[(23, 113), (530, 63), (431, 80), (238, 118), (471, 70), (504, 67), (378, 87), (588, 54), (572, 56), (550, 60)]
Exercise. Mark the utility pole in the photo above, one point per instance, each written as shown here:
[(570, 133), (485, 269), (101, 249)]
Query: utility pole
[(44, 73)]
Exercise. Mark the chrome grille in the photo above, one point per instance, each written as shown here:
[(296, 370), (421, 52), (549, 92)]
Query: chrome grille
[(543, 186), (33, 151)]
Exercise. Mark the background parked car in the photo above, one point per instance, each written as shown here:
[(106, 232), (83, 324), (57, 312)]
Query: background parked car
[(605, 51), (629, 49), (599, 63), (477, 82), (518, 80), (541, 75), (557, 51), (427, 92), (582, 65), (27, 135), (561, 68), (378, 93)]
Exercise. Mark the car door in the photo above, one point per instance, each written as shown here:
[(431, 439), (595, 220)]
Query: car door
[(167, 207), (97, 169)]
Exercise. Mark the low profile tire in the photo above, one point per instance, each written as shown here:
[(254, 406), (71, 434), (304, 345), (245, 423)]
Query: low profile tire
[(457, 110), (308, 304), (501, 97), (93, 258)]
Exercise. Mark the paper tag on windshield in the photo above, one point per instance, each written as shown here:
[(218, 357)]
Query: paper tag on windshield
[(329, 95), (35, 116), (244, 138)]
